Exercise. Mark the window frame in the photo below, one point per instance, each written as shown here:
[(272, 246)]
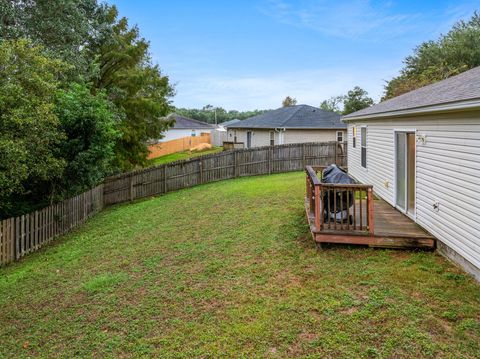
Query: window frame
[(342, 135), (354, 136), (363, 146)]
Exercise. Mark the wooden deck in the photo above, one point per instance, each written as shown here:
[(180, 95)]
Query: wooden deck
[(373, 222)]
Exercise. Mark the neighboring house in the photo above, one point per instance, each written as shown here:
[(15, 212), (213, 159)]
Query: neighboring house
[(421, 152), (293, 124), (219, 136), (185, 127)]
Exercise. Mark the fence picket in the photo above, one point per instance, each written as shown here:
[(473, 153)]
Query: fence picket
[(27, 233)]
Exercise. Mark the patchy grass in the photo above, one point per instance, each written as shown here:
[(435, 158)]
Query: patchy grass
[(185, 155), (227, 270)]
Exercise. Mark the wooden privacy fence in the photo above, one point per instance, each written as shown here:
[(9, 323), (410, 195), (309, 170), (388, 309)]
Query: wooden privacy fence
[(220, 166), (25, 234), (178, 145)]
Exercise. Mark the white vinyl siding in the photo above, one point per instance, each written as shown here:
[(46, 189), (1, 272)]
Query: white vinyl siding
[(447, 172)]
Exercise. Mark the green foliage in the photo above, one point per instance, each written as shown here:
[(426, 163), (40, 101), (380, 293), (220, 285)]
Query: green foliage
[(62, 27), (29, 128), (289, 101), (207, 114), (355, 100), (137, 88), (88, 122), (103, 127), (333, 104), (431, 61)]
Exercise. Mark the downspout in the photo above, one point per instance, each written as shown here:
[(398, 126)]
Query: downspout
[(280, 132)]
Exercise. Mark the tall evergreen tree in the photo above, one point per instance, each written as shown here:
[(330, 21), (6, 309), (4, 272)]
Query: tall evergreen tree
[(136, 86)]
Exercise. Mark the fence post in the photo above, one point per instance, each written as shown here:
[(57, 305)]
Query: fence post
[(304, 164), (235, 163), (335, 144), (165, 172), (200, 165), (269, 160), (131, 186)]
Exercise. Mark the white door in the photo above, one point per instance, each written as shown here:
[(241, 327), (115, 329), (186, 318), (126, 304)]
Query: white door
[(405, 172)]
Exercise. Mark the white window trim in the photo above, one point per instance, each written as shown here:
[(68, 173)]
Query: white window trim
[(366, 147), (343, 136), (394, 182)]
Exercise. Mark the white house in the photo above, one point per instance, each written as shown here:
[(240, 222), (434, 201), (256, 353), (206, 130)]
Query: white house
[(293, 124), (185, 127), (421, 152), (219, 135)]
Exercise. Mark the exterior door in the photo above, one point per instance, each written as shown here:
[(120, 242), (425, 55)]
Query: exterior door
[(405, 172), (249, 139)]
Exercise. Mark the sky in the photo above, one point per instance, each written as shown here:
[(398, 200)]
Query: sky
[(246, 55)]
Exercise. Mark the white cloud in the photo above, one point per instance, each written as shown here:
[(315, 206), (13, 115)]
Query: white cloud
[(262, 92), (340, 18)]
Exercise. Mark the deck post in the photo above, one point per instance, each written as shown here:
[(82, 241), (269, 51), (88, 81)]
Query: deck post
[(317, 207), (371, 214), (309, 193)]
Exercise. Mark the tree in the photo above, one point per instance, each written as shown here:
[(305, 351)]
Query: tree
[(137, 88), (29, 128), (207, 115), (355, 100), (431, 61), (333, 104), (289, 101), (89, 123), (62, 27)]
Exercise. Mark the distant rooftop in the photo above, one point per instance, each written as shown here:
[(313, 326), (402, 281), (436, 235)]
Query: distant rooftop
[(230, 122), (462, 87), (293, 117), (188, 123)]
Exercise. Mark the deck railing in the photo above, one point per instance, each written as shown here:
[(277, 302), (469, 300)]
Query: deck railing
[(339, 208)]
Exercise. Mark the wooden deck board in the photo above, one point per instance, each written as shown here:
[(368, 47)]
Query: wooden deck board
[(389, 222), (392, 230)]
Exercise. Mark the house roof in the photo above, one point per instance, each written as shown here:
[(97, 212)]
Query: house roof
[(229, 123), (293, 117), (182, 123), (454, 90)]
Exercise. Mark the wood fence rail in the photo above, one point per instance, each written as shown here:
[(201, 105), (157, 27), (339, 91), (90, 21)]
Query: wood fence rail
[(25, 234)]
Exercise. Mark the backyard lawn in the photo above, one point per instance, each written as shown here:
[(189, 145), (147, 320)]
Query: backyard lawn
[(228, 270), (184, 155)]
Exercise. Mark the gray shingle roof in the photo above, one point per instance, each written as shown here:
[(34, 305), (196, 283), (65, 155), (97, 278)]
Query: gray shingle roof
[(229, 123), (188, 123), (293, 117), (462, 87)]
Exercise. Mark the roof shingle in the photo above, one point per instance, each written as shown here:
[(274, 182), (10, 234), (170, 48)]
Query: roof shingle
[(188, 123), (462, 87), (293, 117)]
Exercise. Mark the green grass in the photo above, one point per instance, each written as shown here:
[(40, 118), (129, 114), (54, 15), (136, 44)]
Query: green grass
[(228, 270), (185, 155)]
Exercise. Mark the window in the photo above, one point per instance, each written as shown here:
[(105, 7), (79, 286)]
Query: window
[(364, 146), (235, 136), (339, 136), (272, 138), (194, 133), (354, 136)]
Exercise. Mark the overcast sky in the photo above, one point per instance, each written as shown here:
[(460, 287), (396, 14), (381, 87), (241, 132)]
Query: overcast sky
[(248, 55)]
